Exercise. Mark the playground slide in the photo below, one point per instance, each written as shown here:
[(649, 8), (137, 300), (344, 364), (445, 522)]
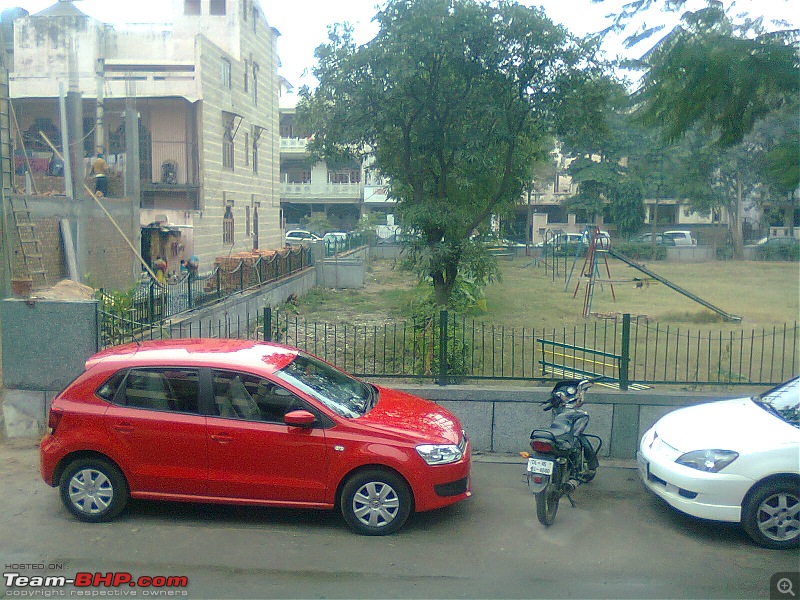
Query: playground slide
[(629, 261)]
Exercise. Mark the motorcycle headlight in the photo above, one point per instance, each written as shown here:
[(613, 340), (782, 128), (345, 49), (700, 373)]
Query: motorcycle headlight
[(439, 454), (710, 461)]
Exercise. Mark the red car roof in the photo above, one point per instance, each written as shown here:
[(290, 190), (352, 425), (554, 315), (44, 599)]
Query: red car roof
[(208, 352)]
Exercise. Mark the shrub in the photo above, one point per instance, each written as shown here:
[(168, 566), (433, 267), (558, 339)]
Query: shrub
[(640, 251), (788, 251)]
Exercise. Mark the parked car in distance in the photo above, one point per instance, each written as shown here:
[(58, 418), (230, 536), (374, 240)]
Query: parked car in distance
[(247, 422), (779, 241), (301, 236), (335, 240), (661, 239), (732, 460), (560, 239), (603, 238), (681, 238)]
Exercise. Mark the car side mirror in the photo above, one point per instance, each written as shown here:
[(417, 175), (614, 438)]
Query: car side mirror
[(299, 418)]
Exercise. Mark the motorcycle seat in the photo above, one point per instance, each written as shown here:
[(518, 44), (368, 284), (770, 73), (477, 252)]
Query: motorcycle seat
[(564, 427)]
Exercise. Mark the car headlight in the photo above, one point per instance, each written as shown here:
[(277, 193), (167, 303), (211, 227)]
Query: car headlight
[(710, 461), (440, 454)]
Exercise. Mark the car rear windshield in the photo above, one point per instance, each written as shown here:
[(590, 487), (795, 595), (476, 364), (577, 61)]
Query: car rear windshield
[(783, 401), (345, 395)]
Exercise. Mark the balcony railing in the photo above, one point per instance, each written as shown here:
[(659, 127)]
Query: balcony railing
[(294, 144), (326, 190)]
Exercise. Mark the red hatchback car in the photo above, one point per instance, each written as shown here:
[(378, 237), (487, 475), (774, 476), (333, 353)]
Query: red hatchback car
[(244, 422)]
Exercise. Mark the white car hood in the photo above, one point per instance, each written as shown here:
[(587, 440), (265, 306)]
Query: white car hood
[(738, 425)]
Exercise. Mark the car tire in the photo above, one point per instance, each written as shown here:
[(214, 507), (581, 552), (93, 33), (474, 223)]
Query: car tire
[(770, 514), (93, 490), (375, 502)]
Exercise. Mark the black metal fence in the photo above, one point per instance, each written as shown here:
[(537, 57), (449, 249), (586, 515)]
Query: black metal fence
[(153, 302), (448, 348)]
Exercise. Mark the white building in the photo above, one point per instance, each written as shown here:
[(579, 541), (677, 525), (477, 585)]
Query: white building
[(206, 90), (344, 193)]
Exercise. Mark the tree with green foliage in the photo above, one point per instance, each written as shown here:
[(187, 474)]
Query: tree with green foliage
[(609, 165), (722, 80), (317, 222), (455, 99)]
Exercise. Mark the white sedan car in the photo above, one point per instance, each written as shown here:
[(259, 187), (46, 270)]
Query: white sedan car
[(734, 460)]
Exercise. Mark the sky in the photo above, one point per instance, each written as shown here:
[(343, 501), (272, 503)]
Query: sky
[(303, 24)]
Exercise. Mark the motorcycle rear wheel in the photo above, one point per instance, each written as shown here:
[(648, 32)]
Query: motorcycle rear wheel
[(547, 505)]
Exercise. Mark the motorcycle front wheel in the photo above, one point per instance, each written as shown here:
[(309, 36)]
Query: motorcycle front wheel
[(547, 504)]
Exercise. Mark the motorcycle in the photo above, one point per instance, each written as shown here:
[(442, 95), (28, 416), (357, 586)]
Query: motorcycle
[(563, 456)]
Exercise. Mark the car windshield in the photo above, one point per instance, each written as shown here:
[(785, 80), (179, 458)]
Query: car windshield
[(338, 391), (783, 401)]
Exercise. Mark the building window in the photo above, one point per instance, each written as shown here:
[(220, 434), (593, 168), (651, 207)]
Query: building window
[(255, 18), (255, 227), (227, 226), (191, 7), (255, 156), (225, 74), (295, 173), (245, 10), (228, 134), (255, 84), (246, 147), (216, 7), (246, 75), (247, 221), (344, 176), (257, 131)]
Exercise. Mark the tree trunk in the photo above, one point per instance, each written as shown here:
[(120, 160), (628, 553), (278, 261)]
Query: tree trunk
[(788, 214), (444, 281), (736, 226)]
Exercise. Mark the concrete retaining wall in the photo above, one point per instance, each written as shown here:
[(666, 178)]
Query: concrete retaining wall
[(45, 342), (501, 419), (691, 253), (241, 308), (343, 271)]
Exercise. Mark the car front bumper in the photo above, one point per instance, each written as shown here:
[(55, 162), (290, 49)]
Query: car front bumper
[(443, 485), (716, 496)]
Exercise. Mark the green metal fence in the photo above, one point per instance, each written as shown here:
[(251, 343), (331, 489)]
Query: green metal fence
[(447, 348)]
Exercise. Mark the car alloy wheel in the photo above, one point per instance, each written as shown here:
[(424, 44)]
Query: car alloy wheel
[(93, 490), (771, 515), (375, 502)]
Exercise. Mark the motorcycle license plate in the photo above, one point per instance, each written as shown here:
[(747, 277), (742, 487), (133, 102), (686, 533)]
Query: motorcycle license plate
[(537, 465)]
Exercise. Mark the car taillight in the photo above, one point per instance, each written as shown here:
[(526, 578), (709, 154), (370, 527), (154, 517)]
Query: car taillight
[(541, 446), (53, 419)]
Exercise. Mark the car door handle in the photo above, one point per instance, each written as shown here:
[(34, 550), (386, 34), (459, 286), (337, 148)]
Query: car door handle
[(222, 438), (123, 427)]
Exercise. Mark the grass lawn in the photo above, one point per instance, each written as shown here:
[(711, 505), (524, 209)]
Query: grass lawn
[(764, 294)]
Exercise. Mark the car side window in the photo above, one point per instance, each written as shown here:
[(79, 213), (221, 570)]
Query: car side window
[(108, 390), (244, 396), (165, 389)]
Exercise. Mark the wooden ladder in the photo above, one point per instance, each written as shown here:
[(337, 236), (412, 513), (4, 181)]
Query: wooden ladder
[(29, 242)]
